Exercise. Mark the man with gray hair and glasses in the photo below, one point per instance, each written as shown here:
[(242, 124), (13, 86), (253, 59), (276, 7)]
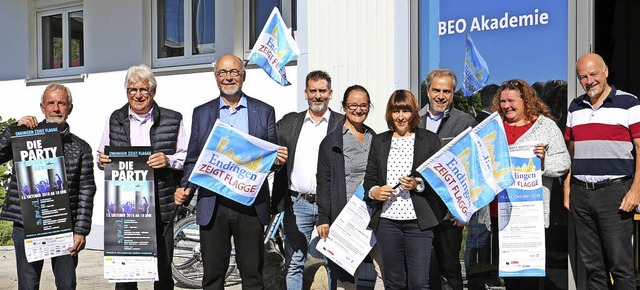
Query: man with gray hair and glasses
[(142, 122), (221, 218), (56, 104)]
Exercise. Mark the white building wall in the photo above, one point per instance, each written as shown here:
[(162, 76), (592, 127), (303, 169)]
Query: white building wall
[(14, 32), (355, 42), (115, 38), (102, 93)]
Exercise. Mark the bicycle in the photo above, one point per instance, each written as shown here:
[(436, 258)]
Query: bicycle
[(187, 258)]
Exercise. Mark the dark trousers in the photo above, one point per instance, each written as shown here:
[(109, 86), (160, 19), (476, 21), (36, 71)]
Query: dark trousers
[(405, 251), (165, 256), (477, 255), (604, 235), (446, 272), (64, 267), (231, 219)]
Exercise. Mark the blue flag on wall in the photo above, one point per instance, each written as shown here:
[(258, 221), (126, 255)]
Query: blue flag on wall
[(274, 48), (476, 71)]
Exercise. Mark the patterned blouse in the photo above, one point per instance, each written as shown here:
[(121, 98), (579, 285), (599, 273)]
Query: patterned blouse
[(399, 206)]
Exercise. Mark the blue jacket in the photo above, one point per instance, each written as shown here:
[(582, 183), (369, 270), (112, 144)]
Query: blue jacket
[(262, 124)]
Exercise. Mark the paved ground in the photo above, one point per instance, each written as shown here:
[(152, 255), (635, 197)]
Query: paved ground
[(90, 273)]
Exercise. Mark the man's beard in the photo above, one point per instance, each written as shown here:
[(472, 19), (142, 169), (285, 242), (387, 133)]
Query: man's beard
[(317, 108), (55, 119), (231, 92)]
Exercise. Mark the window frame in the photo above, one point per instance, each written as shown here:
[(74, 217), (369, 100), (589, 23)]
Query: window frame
[(65, 70), (188, 58)]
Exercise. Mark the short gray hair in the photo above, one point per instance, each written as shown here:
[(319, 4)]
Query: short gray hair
[(143, 73), (57, 87), (440, 73)]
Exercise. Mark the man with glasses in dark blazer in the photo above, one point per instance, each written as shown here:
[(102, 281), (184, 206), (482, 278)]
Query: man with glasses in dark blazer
[(221, 218)]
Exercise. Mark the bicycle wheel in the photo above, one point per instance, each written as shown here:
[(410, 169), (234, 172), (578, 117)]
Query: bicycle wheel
[(187, 260)]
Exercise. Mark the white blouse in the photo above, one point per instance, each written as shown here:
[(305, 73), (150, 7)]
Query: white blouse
[(399, 206)]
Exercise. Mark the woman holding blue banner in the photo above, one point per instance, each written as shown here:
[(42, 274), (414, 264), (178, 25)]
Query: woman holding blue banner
[(404, 207), (342, 161), (527, 119)]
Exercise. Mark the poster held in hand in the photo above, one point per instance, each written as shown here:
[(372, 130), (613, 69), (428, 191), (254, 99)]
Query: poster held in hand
[(130, 246), (42, 181)]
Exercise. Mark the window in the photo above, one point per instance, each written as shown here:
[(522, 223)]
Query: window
[(184, 32), (259, 11), (61, 42)]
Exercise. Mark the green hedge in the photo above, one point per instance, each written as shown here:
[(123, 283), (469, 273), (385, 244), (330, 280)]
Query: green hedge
[(5, 233), (5, 226)]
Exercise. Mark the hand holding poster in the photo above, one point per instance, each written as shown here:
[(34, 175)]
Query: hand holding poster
[(233, 164), (42, 180), (521, 217), (349, 240), (130, 252)]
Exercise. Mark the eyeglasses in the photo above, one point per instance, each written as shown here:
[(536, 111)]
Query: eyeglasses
[(142, 91), (511, 85), (363, 107), (233, 73)]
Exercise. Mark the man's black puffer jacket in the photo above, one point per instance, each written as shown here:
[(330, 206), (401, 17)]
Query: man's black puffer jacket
[(78, 161)]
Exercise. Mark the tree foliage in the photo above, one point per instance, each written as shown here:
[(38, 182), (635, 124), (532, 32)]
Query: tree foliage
[(5, 174)]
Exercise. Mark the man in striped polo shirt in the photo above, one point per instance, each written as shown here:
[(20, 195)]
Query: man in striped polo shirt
[(601, 190)]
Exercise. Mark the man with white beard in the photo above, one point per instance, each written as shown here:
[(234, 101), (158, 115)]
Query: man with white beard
[(221, 218), (56, 105)]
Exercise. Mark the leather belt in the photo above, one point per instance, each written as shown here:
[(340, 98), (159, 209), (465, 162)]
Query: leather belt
[(311, 198), (600, 184)]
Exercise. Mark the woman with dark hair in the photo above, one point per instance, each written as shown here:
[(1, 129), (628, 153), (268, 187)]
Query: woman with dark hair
[(342, 161), (404, 207), (527, 119)]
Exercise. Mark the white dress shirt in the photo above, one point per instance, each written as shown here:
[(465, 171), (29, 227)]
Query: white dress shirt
[(305, 165)]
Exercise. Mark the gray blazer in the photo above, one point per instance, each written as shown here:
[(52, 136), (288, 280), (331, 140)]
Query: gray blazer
[(452, 124)]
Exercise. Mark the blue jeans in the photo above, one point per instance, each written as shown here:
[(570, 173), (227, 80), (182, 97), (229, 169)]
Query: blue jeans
[(64, 267), (299, 222)]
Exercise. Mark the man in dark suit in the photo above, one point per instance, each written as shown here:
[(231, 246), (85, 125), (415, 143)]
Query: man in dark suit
[(294, 189), (440, 117), (221, 218)]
